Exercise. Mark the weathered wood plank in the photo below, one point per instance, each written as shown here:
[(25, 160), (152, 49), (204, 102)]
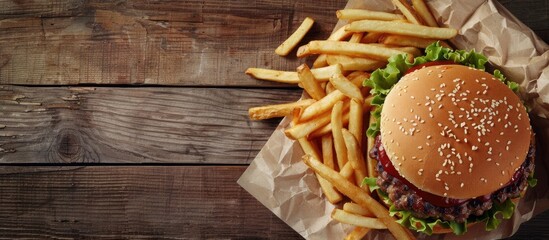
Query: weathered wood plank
[(533, 13), (143, 42), (134, 125), (172, 42), (536, 228), (133, 202), (144, 202)]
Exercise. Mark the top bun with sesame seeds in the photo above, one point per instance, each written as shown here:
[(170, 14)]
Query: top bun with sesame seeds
[(454, 131)]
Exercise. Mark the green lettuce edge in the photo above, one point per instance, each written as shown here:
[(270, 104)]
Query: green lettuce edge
[(426, 226), (382, 80)]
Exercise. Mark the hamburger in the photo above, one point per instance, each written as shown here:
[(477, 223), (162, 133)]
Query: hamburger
[(453, 142)]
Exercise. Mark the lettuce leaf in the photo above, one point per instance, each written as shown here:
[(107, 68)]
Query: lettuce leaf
[(382, 80), (532, 182), (426, 226)]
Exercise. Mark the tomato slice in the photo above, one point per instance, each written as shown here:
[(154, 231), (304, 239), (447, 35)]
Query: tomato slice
[(428, 197), (428, 64)]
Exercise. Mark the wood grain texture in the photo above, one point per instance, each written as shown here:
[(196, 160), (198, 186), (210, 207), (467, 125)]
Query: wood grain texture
[(533, 13), (168, 42), (142, 42), (134, 125), (133, 202), (191, 202)]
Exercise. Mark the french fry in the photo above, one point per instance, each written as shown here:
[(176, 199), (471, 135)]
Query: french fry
[(339, 35), (354, 74), (372, 163), (408, 11), (309, 83), (361, 14), (356, 37), (354, 64), (356, 119), (320, 74), (320, 61), (423, 11), (359, 79), (348, 48), (296, 114), (357, 220), (343, 84), (328, 128), (359, 196), (347, 171), (400, 28), (277, 110), (323, 105), (399, 40), (354, 208), (295, 38), (327, 144), (412, 51), (309, 148), (339, 142), (408, 49), (329, 88), (358, 233), (354, 156), (328, 189), (371, 37), (303, 129)]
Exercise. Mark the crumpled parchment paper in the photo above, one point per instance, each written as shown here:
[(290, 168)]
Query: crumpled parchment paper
[(281, 182)]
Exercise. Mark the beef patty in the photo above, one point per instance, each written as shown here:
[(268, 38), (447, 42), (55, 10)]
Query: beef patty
[(405, 198)]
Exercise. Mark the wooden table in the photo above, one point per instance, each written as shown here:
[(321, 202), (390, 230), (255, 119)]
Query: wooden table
[(128, 119)]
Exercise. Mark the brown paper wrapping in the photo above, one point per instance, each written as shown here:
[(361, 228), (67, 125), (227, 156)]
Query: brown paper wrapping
[(281, 182)]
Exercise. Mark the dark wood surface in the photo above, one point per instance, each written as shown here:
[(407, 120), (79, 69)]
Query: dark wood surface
[(128, 119)]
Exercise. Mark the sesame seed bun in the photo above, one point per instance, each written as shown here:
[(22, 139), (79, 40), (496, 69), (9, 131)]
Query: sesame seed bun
[(454, 131)]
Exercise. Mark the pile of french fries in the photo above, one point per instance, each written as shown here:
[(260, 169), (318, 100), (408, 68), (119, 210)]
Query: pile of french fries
[(330, 121)]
